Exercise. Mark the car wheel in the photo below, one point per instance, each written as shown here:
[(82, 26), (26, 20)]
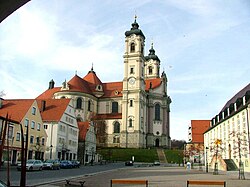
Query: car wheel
[(41, 168), (31, 168)]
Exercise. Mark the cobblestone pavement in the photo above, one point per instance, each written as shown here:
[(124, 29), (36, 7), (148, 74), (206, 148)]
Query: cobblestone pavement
[(158, 177)]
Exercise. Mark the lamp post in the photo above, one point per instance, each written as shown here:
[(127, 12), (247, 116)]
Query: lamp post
[(206, 160), (51, 147)]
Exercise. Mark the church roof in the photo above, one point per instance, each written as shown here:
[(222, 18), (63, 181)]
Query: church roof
[(152, 55), (48, 94), (135, 30), (112, 89), (91, 77), (16, 108), (153, 83), (80, 85), (53, 109)]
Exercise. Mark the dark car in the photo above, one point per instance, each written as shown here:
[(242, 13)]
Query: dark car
[(129, 163), (76, 163), (66, 164), (51, 164)]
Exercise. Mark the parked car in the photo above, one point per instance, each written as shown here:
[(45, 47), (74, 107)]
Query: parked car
[(76, 163), (32, 165), (129, 163), (66, 164), (157, 163), (51, 164)]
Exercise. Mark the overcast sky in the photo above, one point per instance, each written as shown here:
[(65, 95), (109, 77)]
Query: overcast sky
[(204, 48)]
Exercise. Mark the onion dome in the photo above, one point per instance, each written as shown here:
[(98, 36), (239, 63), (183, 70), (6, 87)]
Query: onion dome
[(152, 54), (134, 30)]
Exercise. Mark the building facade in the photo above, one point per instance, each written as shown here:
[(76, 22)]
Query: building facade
[(60, 124), (25, 114), (228, 136), (136, 110)]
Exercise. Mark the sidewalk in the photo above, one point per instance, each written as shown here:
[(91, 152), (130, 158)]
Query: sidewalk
[(160, 177)]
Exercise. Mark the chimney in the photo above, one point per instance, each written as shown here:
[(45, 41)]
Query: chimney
[(51, 84), (43, 105)]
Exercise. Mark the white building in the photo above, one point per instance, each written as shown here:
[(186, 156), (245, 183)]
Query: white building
[(231, 127), (61, 127)]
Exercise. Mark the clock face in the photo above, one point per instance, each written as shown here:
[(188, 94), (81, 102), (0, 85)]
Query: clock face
[(131, 80)]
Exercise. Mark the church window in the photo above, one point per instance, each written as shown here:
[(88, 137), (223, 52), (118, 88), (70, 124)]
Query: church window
[(79, 103), (142, 49), (117, 127), (157, 112), (150, 70), (114, 107), (89, 105), (132, 47), (130, 102), (130, 122), (131, 70)]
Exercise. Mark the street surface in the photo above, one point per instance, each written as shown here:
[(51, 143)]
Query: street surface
[(47, 176), (100, 176)]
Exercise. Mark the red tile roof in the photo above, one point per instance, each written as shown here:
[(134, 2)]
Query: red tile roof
[(155, 83), (48, 94), (108, 116), (83, 127), (54, 108), (90, 81), (79, 85), (92, 78), (16, 108), (198, 128)]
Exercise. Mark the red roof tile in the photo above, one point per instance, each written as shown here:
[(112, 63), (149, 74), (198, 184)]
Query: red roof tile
[(198, 128), (16, 108), (83, 127), (154, 83), (79, 85), (48, 94), (54, 108), (112, 89), (92, 78), (108, 116)]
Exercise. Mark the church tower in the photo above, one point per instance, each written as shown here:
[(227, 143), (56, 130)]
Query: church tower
[(152, 65), (134, 96)]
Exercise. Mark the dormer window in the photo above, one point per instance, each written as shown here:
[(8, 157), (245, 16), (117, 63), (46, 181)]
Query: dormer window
[(132, 47), (99, 88)]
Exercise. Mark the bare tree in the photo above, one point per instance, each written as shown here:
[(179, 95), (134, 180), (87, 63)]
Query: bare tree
[(239, 142)]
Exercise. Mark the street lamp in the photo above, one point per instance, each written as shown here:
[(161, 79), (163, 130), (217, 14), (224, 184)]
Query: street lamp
[(206, 160), (50, 156)]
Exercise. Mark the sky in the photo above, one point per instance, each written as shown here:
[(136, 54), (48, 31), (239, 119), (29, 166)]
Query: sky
[(204, 48)]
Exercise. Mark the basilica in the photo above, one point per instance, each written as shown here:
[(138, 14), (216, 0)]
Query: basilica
[(136, 110)]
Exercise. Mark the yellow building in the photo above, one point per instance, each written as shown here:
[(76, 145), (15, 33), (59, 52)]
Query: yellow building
[(23, 113)]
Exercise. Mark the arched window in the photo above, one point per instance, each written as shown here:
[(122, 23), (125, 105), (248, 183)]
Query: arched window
[(79, 103), (157, 112), (89, 105), (132, 47), (130, 121), (150, 70), (114, 107), (117, 127)]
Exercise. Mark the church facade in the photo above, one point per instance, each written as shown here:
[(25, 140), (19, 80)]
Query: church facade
[(136, 110)]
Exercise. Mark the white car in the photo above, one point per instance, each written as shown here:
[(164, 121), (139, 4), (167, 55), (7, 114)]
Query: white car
[(32, 165)]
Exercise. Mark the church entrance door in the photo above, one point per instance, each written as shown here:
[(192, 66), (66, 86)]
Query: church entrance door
[(157, 142)]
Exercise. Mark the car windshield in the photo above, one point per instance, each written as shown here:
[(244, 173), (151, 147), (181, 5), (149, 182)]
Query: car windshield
[(48, 161), (30, 161)]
